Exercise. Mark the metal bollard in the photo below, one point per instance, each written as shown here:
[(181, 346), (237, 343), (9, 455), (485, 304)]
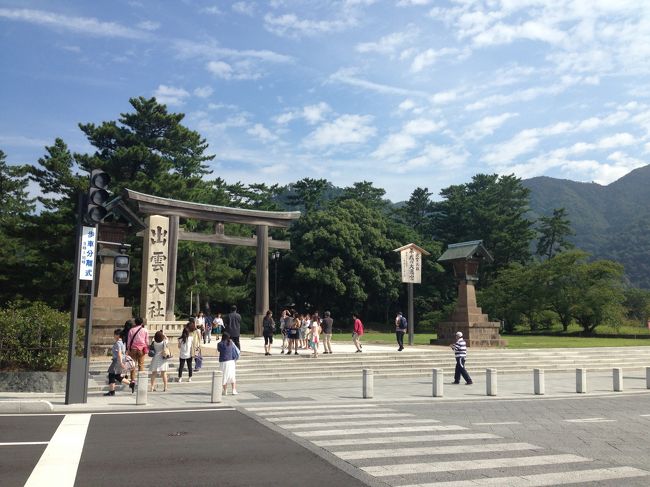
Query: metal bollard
[(617, 375), (142, 388), (437, 382), (217, 387), (368, 385), (491, 382), (581, 381), (538, 381)]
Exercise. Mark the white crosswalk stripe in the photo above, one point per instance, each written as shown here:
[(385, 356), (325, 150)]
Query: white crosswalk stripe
[(321, 418), (433, 450), (411, 468), (380, 440), (390, 429), (370, 422), (384, 438), (544, 479)]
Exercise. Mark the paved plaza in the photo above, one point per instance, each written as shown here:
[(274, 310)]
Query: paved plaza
[(402, 436)]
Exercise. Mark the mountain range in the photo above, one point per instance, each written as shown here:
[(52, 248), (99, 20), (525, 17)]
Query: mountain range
[(610, 222)]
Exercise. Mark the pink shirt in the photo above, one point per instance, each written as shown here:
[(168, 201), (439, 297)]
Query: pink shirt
[(138, 337), (358, 327)]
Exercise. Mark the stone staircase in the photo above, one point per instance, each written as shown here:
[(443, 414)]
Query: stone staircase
[(254, 367)]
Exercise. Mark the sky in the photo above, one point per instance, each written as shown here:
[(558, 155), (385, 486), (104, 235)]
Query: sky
[(403, 93)]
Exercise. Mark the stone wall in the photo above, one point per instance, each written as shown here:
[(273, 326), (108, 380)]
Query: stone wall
[(22, 381)]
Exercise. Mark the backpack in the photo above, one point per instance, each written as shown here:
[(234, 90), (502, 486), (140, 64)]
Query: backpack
[(402, 323)]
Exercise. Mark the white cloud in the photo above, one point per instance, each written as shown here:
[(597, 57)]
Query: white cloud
[(388, 44), (312, 114), (262, 133), (347, 129), (426, 58), (240, 70), (290, 25), (203, 91), (81, 25), (212, 50), (347, 76), (149, 25), (212, 10), (170, 95), (444, 157), (422, 126), (395, 146), (410, 3), (488, 125), (407, 105), (244, 8)]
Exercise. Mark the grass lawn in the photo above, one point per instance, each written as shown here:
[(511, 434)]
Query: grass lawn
[(514, 341)]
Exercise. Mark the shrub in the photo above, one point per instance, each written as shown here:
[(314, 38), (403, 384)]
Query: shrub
[(34, 337)]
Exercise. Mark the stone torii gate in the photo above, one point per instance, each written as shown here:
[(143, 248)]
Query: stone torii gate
[(160, 248)]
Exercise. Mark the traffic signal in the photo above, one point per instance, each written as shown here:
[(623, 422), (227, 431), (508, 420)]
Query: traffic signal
[(121, 268), (97, 196)]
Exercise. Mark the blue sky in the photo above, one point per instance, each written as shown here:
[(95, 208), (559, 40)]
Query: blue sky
[(404, 93)]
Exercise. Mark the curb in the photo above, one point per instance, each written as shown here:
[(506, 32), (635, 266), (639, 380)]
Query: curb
[(37, 406)]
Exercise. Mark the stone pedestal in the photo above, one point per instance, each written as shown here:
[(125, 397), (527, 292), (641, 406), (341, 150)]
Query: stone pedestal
[(469, 319)]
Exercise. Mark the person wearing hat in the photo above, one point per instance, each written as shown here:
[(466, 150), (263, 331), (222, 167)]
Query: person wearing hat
[(400, 329), (460, 350)]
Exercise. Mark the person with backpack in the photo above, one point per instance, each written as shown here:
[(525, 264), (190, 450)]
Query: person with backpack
[(400, 329), (117, 367)]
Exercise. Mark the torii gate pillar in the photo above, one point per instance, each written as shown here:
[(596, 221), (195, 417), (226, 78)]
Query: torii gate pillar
[(261, 278)]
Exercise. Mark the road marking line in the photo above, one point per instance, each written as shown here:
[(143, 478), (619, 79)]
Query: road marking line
[(406, 439), (60, 460), (21, 443), (303, 407), (496, 424), (415, 468), (545, 479), (334, 424), (283, 419), (395, 429), (433, 450), (590, 420)]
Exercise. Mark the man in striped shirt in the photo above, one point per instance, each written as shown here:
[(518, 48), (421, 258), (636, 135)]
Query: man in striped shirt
[(460, 350)]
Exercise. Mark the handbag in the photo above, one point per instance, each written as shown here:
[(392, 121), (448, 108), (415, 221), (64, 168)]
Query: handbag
[(198, 362), (128, 364), (152, 351), (236, 352), (166, 353)]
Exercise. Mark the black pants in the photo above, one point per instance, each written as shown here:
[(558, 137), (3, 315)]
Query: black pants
[(460, 370), (400, 338), (235, 340), (182, 366)]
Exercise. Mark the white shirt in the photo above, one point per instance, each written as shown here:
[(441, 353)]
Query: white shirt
[(185, 348), (217, 322)]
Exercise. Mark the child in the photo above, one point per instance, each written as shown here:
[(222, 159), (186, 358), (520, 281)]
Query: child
[(117, 364), (314, 337)]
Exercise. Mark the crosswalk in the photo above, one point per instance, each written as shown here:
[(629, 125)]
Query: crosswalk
[(404, 451)]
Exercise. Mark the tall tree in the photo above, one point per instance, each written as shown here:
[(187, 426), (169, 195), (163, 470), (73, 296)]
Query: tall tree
[(309, 193), (418, 211), (367, 194), (553, 233), (491, 208)]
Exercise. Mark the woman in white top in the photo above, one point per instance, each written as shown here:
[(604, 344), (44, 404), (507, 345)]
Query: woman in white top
[(159, 362), (186, 353), (217, 323)]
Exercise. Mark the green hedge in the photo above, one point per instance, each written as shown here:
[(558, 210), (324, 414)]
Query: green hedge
[(33, 337)]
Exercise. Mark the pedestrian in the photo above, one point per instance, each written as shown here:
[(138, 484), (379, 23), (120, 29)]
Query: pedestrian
[(196, 344), (400, 329), (293, 331), (217, 324), (284, 330), (185, 353), (233, 327), (328, 322), (314, 337), (137, 347), (357, 333), (460, 351), (305, 323), (116, 368), (159, 363), (268, 327), (228, 354), (207, 331), (124, 334)]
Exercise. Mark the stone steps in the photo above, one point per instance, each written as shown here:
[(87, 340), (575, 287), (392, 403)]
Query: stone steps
[(260, 368)]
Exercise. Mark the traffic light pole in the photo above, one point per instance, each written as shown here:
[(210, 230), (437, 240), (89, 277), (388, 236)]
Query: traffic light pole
[(76, 391)]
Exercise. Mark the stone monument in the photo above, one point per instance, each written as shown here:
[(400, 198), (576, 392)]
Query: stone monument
[(468, 318)]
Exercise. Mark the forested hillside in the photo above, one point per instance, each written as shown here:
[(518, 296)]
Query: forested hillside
[(611, 222)]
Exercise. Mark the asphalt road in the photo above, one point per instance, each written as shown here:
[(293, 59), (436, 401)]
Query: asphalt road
[(197, 448)]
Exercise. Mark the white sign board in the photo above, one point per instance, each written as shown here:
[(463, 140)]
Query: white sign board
[(154, 267), (411, 265), (87, 257)]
